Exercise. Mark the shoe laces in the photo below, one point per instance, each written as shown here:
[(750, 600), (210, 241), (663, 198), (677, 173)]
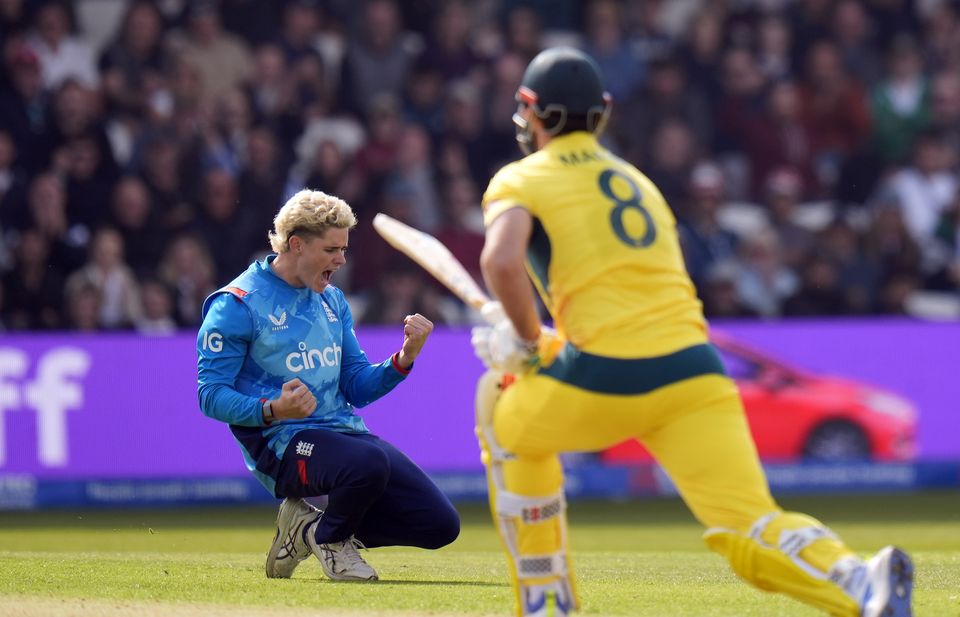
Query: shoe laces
[(349, 551)]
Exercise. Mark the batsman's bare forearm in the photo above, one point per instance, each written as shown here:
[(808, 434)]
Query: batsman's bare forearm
[(511, 286), (503, 270)]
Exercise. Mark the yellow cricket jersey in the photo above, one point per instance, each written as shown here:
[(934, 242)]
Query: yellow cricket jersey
[(604, 253)]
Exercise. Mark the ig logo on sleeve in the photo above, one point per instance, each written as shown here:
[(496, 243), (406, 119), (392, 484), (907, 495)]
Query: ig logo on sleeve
[(213, 341)]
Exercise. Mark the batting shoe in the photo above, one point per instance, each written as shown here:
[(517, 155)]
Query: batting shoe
[(289, 547), (889, 584), (546, 600), (340, 560)]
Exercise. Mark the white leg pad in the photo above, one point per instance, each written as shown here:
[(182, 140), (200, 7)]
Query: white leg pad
[(543, 581), (530, 509)]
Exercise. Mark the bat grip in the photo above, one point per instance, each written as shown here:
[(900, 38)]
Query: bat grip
[(492, 312)]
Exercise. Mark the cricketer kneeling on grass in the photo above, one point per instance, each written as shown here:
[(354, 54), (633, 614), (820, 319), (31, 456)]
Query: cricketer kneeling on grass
[(278, 361), (630, 358)]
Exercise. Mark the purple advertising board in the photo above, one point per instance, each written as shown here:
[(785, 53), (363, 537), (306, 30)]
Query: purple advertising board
[(917, 360), (123, 406)]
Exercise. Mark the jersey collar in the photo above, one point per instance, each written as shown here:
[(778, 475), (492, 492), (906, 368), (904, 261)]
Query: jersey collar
[(567, 141)]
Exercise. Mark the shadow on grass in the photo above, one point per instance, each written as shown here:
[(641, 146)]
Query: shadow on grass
[(405, 583), (901, 507)]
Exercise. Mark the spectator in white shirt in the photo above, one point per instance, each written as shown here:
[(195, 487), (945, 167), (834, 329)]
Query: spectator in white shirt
[(926, 187), (62, 55), (108, 273)]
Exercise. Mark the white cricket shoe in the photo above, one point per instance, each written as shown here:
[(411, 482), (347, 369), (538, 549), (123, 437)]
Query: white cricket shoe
[(552, 599), (289, 547), (889, 584), (340, 560)]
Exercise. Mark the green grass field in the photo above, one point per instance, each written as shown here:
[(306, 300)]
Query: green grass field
[(637, 558)]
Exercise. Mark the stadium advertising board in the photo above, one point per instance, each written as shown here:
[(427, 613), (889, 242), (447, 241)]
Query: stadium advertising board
[(81, 407)]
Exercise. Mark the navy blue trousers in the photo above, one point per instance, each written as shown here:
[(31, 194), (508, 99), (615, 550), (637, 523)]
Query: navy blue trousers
[(374, 491)]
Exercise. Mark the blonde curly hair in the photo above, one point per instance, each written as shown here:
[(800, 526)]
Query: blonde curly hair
[(311, 212)]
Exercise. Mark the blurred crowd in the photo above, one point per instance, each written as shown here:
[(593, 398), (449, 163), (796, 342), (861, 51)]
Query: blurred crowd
[(808, 148)]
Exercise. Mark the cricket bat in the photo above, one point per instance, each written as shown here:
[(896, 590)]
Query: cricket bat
[(431, 255)]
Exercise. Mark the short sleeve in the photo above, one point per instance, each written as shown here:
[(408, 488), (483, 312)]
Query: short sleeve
[(504, 193)]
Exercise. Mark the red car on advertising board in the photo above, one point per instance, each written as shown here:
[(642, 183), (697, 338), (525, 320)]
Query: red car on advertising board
[(796, 415)]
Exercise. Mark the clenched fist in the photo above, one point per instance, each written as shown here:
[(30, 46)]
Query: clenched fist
[(296, 401), (416, 329)]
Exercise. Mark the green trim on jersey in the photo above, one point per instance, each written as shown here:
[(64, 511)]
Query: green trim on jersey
[(539, 253), (630, 376)]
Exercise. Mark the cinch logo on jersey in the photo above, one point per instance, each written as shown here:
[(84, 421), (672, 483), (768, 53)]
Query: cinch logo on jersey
[(312, 358), (279, 323), (331, 317), (304, 448)]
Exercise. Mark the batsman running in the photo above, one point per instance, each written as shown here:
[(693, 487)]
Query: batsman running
[(629, 358)]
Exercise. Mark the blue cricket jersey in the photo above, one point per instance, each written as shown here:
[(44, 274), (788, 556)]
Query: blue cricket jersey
[(259, 332)]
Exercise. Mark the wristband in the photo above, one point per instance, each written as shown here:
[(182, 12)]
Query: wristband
[(395, 360), (268, 411)]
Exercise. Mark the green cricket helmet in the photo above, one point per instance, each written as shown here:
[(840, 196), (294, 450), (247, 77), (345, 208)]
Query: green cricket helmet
[(563, 87)]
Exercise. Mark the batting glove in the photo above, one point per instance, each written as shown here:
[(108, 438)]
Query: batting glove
[(499, 347)]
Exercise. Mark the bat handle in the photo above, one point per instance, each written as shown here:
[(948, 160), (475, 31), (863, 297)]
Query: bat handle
[(492, 312)]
